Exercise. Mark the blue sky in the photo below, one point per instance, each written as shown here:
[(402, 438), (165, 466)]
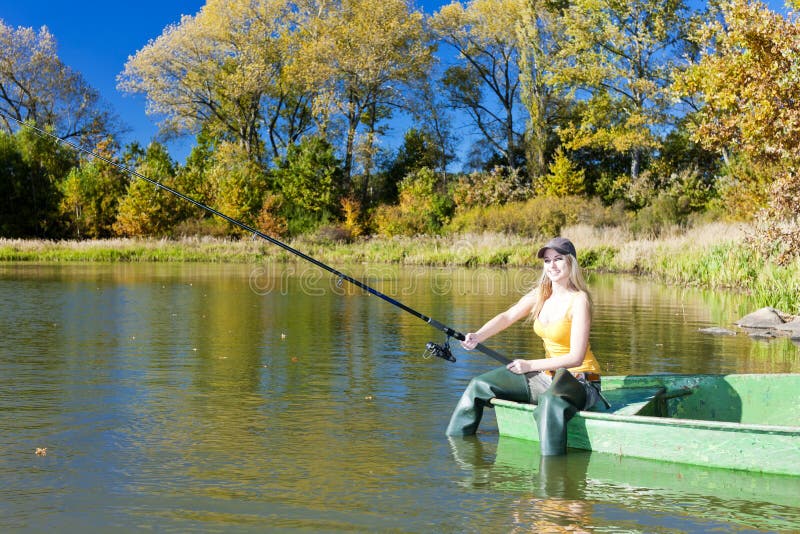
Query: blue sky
[(96, 38)]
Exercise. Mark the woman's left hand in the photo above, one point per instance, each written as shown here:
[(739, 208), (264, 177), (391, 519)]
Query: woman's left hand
[(471, 341), (519, 367)]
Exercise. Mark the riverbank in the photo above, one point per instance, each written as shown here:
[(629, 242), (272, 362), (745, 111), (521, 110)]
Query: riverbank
[(712, 255)]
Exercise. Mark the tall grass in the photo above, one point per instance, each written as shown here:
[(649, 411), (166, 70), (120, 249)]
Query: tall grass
[(713, 255), (132, 250)]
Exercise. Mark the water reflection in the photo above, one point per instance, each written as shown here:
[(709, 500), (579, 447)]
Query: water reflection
[(585, 491)]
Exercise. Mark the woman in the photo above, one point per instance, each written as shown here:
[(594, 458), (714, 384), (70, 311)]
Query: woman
[(560, 308)]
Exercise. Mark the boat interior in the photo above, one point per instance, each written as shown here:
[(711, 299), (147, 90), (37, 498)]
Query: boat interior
[(746, 399)]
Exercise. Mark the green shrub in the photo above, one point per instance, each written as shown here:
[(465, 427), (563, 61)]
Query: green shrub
[(565, 178), (685, 196), (692, 193), (611, 187), (744, 187), (311, 177), (499, 186), (332, 233), (598, 258), (423, 209), (238, 184), (653, 219), (537, 217)]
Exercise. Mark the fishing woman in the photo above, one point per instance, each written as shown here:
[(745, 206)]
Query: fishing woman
[(560, 308)]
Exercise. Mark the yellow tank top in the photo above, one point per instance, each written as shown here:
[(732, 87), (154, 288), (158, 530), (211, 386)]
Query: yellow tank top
[(555, 337)]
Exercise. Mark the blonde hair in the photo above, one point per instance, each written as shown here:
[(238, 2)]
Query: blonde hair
[(545, 287)]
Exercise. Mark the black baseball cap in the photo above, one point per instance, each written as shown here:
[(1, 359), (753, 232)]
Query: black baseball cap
[(559, 244)]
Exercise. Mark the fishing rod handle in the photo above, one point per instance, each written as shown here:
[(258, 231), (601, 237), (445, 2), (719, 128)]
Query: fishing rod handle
[(492, 353)]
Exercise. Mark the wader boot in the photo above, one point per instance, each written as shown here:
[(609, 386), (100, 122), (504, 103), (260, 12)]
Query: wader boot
[(556, 407), (500, 383)]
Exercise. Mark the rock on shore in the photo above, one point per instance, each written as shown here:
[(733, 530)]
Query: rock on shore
[(769, 322)]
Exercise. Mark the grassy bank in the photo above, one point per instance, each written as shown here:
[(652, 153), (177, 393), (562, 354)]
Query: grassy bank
[(713, 256)]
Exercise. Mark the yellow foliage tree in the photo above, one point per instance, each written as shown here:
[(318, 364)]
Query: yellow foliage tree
[(356, 55), (146, 209), (221, 69), (617, 58), (564, 180), (237, 183), (91, 193), (749, 79)]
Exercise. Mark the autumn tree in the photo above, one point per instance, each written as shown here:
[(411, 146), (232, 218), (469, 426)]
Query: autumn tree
[(617, 58), (538, 31), (91, 193), (222, 70), (486, 85), (36, 86), (419, 149), (564, 179), (236, 184), (146, 209), (359, 55), (748, 79), (221, 175)]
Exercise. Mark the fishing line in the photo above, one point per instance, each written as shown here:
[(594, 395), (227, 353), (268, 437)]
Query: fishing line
[(434, 349)]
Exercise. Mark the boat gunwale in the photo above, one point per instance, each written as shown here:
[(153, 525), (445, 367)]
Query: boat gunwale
[(628, 381), (667, 421)]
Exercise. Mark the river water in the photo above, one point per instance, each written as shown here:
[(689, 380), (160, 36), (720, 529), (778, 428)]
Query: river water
[(263, 398)]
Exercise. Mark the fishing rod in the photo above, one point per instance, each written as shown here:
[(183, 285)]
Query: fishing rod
[(440, 350)]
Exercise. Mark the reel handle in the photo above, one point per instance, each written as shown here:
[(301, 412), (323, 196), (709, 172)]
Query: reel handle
[(440, 351)]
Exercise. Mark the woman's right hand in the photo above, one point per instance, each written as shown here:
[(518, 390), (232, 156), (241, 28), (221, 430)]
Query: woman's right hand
[(470, 341)]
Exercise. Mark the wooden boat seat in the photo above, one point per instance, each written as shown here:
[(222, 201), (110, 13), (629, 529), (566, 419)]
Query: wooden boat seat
[(630, 401)]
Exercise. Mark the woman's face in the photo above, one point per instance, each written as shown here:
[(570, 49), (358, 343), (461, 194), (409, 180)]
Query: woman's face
[(555, 266)]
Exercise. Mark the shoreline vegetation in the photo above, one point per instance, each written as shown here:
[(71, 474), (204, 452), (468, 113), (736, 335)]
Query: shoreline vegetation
[(714, 255)]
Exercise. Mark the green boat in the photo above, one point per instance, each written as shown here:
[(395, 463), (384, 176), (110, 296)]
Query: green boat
[(740, 421)]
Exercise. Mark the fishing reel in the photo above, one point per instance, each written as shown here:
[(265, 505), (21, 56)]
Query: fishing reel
[(440, 351)]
